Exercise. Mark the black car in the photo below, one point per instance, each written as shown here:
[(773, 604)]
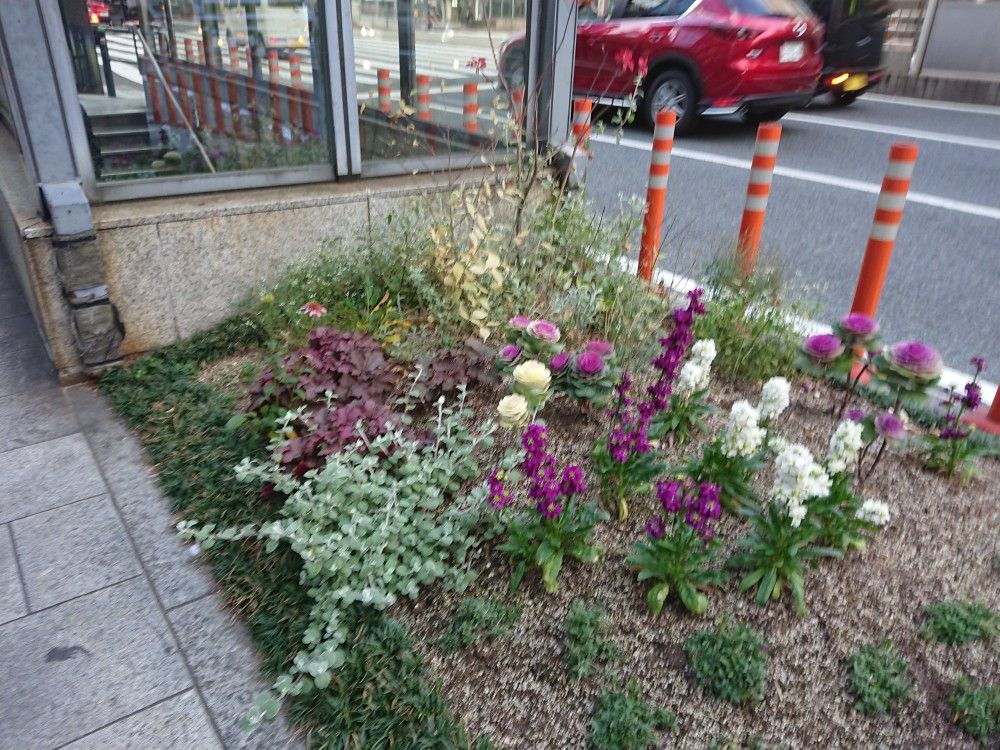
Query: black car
[(852, 48)]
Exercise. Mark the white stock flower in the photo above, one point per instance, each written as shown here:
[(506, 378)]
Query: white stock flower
[(797, 479), (845, 443), (513, 410), (874, 511), (693, 377), (774, 398), (742, 436), (533, 376), (703, 352), (796, 513), (776, 444)]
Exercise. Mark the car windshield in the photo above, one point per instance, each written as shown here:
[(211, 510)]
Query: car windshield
[(780, 8), (593, 10)]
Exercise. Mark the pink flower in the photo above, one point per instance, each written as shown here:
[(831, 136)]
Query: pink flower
[(478, 64), (823, 347), (313, 310), (559, 361), (889, 426), (519, 321), (589, 363), (544, 330), (510, 352), (915, 360), (858, 325)]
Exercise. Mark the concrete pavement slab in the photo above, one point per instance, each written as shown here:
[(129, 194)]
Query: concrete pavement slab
[(72, 550), (24, 368), (227, 669), (33, 417), (178, 723), (12, 603), (45, 475), (74, 668)]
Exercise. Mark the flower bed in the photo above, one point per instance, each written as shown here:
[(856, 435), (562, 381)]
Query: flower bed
[(641, 554)]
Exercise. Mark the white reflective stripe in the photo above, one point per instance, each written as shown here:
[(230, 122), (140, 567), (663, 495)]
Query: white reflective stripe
[(756, 203), (891, 201), (660, 157), (657, 181), (767, 148), (760, 176), (663, 133), (900, 170), (883, 231)]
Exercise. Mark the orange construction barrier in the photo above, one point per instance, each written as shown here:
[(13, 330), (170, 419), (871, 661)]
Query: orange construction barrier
[(423, 98), (656, 193), (759, 188), (888, 215), (384, 91), (470, 107), (582, 109)]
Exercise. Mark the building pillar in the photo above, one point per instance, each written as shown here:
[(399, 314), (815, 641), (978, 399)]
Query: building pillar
[(549, 86)]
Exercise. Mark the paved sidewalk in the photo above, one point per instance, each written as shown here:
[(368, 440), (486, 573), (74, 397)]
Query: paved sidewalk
[(110, 636)]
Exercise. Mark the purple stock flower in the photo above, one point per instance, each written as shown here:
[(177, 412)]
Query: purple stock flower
[(669, 495), (656, 527), (558, 362), (601, 347), (709, 502), (859, 325), (573, 482), (915, 359), (544, 330), (979, 363), (953, 432), (889, 426), (589, 363), (519, 321), (673, 348), (509, 353), (549, 509), (499, 495), (856, 415), (824, 348), (973, 396)]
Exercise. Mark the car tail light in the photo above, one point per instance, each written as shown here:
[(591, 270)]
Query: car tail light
[(94, 19)]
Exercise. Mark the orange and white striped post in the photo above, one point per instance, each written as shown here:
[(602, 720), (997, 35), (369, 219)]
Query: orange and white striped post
[(517, 106), (189, 51), (295, 66), (423, 98), (470, 107), (987, 420), (656, 193), (153, 87), (582, 109), (274, 79), (888, 215), (758, 190), (384, 91), (234, 58)]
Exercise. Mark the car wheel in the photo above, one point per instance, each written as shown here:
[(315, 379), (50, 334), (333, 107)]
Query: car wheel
[(672, 89), (844, 98), (772, 114)]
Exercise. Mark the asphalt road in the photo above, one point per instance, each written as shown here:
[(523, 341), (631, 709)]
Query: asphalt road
[(943, 285)]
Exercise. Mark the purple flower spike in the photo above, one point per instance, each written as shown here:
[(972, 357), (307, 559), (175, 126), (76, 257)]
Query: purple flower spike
[(656, 527), (859, 325), (600, 347), (510, 353), (979, 363), (856, 415), (544, 330), (973, 396), (558, 362), (589, 363), (889, 426), (824, 348), (573, 482), (916, 360)]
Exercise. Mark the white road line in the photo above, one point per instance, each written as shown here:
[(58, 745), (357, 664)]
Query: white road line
[(905, 101), (973, 209), (871, 127)]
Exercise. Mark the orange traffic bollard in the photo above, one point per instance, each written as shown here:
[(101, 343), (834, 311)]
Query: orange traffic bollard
[(888, 215), (234, 58), (295, 66), (384, 91), (582, 109), (152, 86), (274, 79), (759, 188), (987, 420), (517, 109), (423, 98), (470, 107), (656, 194)]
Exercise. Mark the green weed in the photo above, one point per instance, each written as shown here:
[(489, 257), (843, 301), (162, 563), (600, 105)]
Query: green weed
[(957, 623), (729, 662), (624, 721), (977, 710), (478, 619), (878, 679), (586, 645)]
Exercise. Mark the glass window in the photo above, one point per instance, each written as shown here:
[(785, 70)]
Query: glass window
[(172, 87), (437, 78), (649, 8), (5, 115), (772, 8)]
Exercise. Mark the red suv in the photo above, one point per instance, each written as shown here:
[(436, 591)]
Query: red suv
[(758, 58)]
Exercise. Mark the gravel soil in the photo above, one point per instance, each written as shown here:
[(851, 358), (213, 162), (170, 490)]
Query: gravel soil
[(940, 544)]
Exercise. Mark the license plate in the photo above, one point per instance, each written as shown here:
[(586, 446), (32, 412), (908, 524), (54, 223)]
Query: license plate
[(856, 82), (791, 51)]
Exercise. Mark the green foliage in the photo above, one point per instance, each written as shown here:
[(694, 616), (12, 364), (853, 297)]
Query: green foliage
[(977, 710), (586, 645), (621, 480), (954, 456), (381, 697), (750, 323), (878, 679), (733, 474), (729, 662), (624, 721), (683, 419), (835, 517), (774, 555), (959, 622), (478, 619), (679, 560)]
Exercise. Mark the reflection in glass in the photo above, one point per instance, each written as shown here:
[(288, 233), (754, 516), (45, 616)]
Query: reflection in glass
[(173, 87)]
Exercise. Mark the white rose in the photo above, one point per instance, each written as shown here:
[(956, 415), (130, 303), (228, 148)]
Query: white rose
[(513, 410), (533, 376)]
